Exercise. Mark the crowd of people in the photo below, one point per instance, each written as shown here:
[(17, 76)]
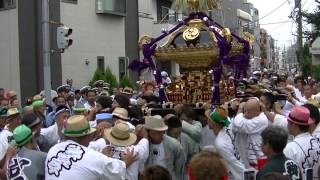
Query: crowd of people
[(269, 130)]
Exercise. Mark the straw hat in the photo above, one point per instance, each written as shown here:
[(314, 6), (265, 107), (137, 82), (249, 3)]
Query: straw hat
[(11, 94), (300, 116), (313, 102), (77, 126), (155, 123), (37, 97), (12, 113), (121, 113), (120, 135)]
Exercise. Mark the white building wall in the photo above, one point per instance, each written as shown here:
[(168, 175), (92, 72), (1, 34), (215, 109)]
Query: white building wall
[(9, 50), (269, 52), (93, 35), (148, 25)]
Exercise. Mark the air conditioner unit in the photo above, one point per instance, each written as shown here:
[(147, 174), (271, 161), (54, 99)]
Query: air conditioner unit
[(244, 15), (114, 7)]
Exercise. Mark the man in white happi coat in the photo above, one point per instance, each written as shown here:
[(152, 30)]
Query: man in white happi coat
[(53, 133), (304, 149), (122, 140), (314, 127), (13, 119), (72, 159), (268, 101), (247, 127), (224, 142)]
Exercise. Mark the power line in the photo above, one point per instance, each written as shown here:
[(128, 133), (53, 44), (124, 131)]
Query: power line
[(281, 22), (268, 14)]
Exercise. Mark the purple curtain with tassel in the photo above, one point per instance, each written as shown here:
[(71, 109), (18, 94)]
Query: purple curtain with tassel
[(239, 62)]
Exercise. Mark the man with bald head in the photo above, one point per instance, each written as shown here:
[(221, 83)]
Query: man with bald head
[(247, 127), (251, 108)]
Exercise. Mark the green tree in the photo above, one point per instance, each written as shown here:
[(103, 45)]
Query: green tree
[(314, 19), (125, 82), (98, 75), (110, 78), (307, 61), (316, 72), (263, 53)]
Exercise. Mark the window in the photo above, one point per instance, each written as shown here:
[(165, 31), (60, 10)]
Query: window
[(114, 7), (168, 15), (122, 66), (100, 63), (70, 1), (7, 4)]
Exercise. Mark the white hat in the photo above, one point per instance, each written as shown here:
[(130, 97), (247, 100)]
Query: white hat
[(163, 73), (120, 135), (155, 123), (256, 72), (121, 113)]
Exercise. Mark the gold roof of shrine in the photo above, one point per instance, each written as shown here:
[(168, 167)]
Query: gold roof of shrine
[(195, 46)]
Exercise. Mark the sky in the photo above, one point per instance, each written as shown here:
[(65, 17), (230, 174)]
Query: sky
[(281, 32)]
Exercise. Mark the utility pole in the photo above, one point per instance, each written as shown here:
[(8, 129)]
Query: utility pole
[(46, 50), (300, 40)]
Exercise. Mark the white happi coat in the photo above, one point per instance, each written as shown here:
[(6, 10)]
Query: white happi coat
[(224, 144), (316, 132), (5, 139), (70, 160), (305, 151), (51, 134), (248, 137), (141, 149), (280, 121)]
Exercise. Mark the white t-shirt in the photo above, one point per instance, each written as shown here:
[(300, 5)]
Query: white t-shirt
[(157, 155), (5, 139), (70, 160)]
